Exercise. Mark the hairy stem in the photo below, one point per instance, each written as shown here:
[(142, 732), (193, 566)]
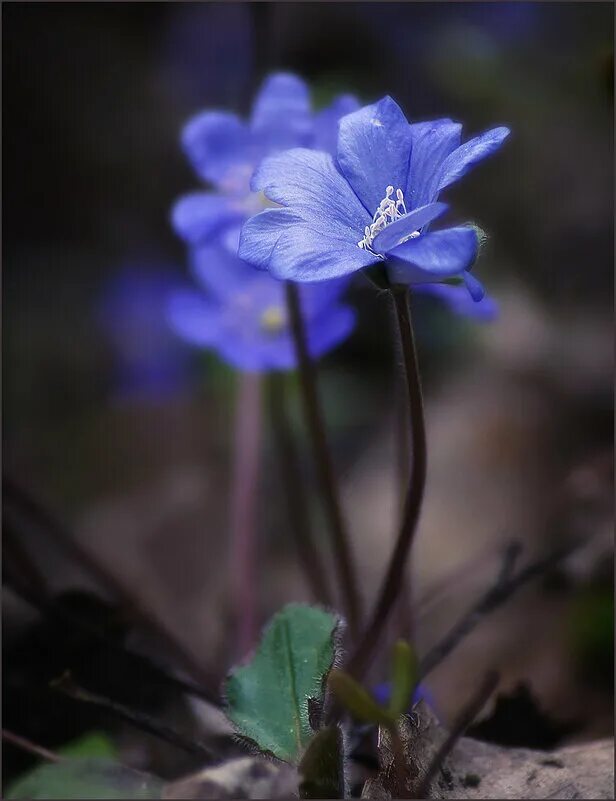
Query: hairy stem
[(394, 577), (243, 525), (324, 467), (297, 505)]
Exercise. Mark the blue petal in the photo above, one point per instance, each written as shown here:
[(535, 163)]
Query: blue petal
[(439, 254), (193, 318), (308, 183), (304, 254), (278, 353), (432, 143), (329, 330), (256, 356), (374, 150), (221, 272), (396, 231), (475, 288), (260, 234), (219, 148), (201, 215), (326, 122), (316, 298), (458, 300), (281, 116), (230, 238), (464, 157)]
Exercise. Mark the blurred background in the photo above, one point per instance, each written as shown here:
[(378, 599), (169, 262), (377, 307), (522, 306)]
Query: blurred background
[(118, 437)]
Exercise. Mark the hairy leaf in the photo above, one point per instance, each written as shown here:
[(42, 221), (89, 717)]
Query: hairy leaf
[(267, 699)]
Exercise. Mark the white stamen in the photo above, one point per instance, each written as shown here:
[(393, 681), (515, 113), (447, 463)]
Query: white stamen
[(388, 211)]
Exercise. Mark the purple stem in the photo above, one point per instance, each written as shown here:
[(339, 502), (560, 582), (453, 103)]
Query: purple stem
[(244, 511)]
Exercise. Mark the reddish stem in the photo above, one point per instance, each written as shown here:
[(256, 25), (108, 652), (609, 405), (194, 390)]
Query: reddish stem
[(244, 511)]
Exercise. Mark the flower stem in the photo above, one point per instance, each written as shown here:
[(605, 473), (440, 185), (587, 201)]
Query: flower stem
[(244, 510), (324, 467), (297, 506), (394, 578), (403, 457)]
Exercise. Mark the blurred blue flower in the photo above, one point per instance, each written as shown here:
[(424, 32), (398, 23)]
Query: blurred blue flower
[(369, 206), (458, 300), (240, 313), (148, 360), (224, 152), (382, 693)]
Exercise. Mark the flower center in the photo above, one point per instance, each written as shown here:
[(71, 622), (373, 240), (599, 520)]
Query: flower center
[(388, 211), (273, 319)]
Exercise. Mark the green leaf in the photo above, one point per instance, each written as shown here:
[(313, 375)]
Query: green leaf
[(404, 677), (85, 779), (267, 699), (322, 766), (92, 744), (358, 701)]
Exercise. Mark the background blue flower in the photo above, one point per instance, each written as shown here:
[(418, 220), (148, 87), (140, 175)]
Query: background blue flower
[(148, 361), (370, 205), (241, 313), (224, 151), (382, 694)]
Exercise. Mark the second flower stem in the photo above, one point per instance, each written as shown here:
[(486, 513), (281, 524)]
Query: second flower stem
[(244, 511), (394, 578), (297, 504), (324, 467)]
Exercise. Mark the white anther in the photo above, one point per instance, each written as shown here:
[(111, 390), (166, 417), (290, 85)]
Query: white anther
[(388, 211)]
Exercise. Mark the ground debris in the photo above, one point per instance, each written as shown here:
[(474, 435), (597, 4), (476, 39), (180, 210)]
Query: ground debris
[(248, 777), (482, 770)]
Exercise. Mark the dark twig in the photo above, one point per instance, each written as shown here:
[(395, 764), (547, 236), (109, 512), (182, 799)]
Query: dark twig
[(297, 506), (462, 722), (324, 467), (36, 515), (506, 584), (30, 747), (52, 608), (140, 720), (394, 577)]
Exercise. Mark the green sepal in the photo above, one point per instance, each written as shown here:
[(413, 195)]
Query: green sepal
[(404, 677), (356, 699)]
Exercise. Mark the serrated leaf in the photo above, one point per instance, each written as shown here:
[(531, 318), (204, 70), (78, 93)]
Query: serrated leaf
[(267, 699), (85, 779), (404, 675), (322, 766), (358, 701)]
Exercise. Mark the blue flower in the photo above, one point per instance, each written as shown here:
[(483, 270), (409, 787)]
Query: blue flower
[(371, 205), (382, 694), (148, 361), (241, 313), (224, 152), (458, 300)]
